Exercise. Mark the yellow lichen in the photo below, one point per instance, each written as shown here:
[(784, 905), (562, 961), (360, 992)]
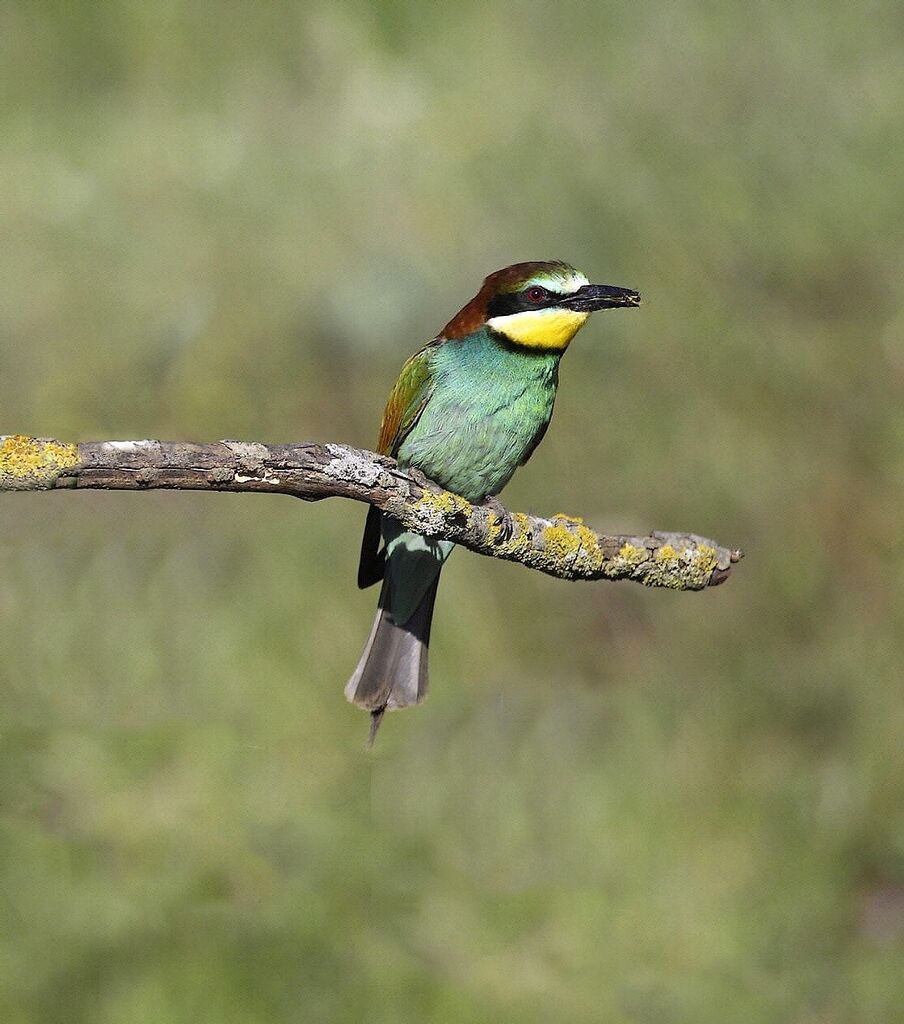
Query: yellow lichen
[(626, 563), (494, 527), (587, 538), (706, 558), (519, 544), (632, 554), (445, 501), (569, 548), (689, 569), (434, 509), (560, 542), (567, 538), (27, 463)]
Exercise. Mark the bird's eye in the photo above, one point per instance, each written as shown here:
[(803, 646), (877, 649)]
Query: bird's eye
[(537, 294)]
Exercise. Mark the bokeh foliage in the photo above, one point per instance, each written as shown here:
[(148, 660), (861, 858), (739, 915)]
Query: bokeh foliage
[(236, 220)]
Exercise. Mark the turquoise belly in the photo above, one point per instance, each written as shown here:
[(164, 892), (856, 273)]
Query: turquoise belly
[(487, 408)]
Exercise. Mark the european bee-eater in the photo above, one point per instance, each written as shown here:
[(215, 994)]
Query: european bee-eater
[(467, 410)]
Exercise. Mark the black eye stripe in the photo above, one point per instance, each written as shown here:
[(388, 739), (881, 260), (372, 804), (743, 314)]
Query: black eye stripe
[(518, 302)]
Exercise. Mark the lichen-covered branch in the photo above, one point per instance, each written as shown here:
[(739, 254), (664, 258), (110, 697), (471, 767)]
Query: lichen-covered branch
[(561, 546)]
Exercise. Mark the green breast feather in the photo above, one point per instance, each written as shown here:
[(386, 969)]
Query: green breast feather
[(478, 413)]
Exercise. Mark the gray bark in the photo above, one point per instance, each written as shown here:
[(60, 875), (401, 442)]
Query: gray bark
[(561, 546)]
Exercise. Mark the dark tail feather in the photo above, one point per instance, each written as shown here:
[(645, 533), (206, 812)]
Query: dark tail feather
[(373, 561), (375, 718), (392, 672)]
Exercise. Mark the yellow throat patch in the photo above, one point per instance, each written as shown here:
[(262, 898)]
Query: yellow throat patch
[(547, 329)]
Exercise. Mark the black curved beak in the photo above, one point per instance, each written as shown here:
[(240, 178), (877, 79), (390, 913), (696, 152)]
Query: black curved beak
[(600, 296)]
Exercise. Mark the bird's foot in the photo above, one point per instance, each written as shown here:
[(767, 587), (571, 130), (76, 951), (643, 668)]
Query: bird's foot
[(504, 520)]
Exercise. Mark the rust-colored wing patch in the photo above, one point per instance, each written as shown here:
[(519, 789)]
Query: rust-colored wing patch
[(406, 401)]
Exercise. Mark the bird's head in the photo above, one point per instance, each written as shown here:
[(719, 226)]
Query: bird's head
[(538, 306)]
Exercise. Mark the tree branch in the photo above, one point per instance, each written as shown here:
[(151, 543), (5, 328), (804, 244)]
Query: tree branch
[(561, 546)]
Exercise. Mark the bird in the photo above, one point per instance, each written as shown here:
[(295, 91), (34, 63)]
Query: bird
[(467, 410)]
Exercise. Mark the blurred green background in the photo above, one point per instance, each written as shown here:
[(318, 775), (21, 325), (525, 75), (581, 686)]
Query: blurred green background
[(619, 805)]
